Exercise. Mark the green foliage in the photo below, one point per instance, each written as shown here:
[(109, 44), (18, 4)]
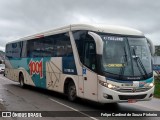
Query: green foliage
[(1, 52), (157, 50), (157, 87)]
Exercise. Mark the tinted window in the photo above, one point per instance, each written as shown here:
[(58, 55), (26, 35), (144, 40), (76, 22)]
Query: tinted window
[(9, 50), (14, 50), (50, 46), (79, 37), (24, 49), (90, 53), (86, 48), (35, 48)]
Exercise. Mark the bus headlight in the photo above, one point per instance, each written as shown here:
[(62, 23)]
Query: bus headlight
[(108, 85), (111, 86), (105, 84), (151, 84)]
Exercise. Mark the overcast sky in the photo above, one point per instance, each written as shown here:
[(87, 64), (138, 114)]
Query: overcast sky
[(20, 18)]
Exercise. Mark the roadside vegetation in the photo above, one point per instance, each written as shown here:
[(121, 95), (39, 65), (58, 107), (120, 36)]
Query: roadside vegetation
[(157, 87)]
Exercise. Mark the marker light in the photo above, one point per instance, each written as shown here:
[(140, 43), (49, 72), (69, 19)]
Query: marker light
[(39, 36)]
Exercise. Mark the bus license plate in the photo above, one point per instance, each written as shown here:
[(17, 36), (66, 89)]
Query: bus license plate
[(132, 100)]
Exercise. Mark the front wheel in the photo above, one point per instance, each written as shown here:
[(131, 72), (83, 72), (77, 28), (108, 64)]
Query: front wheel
[(21, 80), (72, 92)]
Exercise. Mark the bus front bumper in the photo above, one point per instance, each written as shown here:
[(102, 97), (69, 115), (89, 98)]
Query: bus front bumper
[(106, 95)]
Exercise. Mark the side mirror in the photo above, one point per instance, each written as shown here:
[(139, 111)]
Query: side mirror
[(98, 41), (151, 46)]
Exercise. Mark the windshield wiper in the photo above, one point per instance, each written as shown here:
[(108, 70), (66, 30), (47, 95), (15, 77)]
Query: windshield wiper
[(121, 72), (138, 60)]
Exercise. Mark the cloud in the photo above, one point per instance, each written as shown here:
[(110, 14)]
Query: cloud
[(25, 17), (2, 48)]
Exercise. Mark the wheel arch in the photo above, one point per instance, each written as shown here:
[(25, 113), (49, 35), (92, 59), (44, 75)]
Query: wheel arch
[(21, 71), (67, 80)]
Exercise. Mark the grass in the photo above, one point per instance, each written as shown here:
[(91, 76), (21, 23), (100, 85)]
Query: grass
[(157, 87)]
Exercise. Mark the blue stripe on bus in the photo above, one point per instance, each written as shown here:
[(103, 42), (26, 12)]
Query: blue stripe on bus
[(119, 81), (149, 80)]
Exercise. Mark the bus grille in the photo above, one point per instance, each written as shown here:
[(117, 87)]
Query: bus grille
[(129, 90), (126, 97)]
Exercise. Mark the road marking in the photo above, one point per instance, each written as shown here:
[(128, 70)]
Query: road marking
[(146, 107), (73, 109), (2, 78)]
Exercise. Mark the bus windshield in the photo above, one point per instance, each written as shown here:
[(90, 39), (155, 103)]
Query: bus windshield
[(126, 56)]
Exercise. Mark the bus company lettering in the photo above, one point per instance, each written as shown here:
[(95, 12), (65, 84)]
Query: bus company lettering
[(36, 67)]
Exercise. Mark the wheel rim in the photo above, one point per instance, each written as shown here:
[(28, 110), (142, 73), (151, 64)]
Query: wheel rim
[(21, 81), (72, 92)]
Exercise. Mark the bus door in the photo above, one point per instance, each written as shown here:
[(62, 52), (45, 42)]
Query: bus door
[(89, 68)]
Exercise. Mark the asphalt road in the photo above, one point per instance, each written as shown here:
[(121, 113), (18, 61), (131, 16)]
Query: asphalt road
[(15, 98)]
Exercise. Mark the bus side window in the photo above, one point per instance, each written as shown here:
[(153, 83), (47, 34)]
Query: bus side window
[(30, 48), (24, 49), (79, 37), (9, 51), (90, 53), (86, 48)]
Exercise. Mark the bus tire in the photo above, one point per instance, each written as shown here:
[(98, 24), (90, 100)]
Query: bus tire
[(72, 92), (21, 80)]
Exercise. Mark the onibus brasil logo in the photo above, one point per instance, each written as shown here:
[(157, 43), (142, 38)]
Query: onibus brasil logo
[(36, 67)]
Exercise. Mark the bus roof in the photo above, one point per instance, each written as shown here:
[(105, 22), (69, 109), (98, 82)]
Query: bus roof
[(113, 29)]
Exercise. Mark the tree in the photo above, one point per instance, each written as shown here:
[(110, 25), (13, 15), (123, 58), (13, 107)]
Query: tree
[(157, 50)]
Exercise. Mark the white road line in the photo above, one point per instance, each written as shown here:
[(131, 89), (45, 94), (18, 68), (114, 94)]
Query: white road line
[(73, 109), (147, 107), (2, 78)]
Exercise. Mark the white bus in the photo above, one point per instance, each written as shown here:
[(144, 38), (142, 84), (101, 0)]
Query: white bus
[(96, 62)]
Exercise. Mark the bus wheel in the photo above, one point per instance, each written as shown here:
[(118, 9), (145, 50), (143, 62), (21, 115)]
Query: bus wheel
[(21, 80), (72, 92)]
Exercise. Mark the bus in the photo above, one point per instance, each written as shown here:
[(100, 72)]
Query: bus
[(102, 63)]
